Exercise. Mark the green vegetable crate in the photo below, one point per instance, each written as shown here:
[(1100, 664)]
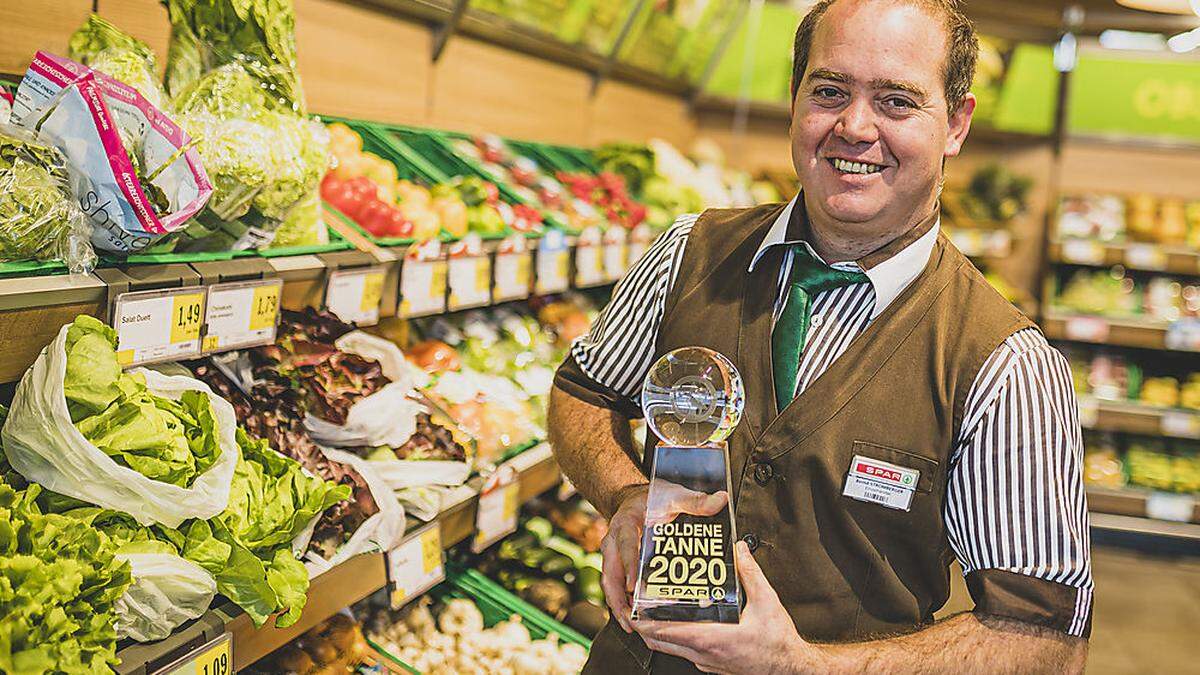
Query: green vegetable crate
[(497, 605)]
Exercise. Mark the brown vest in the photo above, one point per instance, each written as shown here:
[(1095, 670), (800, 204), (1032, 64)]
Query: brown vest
[(844, 569)]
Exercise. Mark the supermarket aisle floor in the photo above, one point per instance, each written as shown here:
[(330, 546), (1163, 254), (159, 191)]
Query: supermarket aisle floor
[(1147, 613)]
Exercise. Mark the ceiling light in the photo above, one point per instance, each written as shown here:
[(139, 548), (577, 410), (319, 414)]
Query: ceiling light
[(1127, 39), (1185, 42), (1164, 6)]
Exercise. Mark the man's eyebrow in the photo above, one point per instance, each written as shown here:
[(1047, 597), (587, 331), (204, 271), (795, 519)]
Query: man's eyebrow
[(899, 85), (826, 74)]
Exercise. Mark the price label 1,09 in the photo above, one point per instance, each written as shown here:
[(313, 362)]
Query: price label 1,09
[(158, 325), (242, 314), (497, 514), (212, 658), (416, 565), (354, 294)]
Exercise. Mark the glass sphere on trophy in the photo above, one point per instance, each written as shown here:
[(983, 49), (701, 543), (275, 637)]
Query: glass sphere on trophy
[(693, 400)]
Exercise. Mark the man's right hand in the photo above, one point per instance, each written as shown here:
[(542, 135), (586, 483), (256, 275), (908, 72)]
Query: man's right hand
[(623, 542)]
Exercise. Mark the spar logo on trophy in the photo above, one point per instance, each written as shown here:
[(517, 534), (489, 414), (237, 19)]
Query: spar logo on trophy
[(692, 399)]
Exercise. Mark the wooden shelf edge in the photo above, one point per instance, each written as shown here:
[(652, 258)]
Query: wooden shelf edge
[(1120, 332), (1130, 503), (338, 587), (1175, 259)]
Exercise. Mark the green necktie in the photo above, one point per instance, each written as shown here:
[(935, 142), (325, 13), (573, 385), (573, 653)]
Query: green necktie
[(809, 277)]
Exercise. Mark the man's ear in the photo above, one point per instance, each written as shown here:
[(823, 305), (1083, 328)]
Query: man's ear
[(960, 124)]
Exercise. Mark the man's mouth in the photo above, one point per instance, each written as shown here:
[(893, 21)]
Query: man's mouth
[(846, 166)]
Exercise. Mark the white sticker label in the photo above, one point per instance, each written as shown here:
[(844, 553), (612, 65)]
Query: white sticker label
[(566, 489), (513, 272), (872, 480), (422, 287), (637, 249), (1180, 424), (589, 266), (1089, 411), (242, 314), (1087, 329), (1170, 506), (1083, 252), (158, 325), (416, 565), (354, 295), (1145, 257), (497, 514), (470, 282), (614, 261)]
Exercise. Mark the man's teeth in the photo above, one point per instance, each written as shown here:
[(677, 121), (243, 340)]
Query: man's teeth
[(855, 167)]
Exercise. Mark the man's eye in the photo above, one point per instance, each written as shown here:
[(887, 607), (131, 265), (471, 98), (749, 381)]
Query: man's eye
[(827, 92), (899, 102)]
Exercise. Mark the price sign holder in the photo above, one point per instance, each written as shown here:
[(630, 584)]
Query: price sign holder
[(512, 271), (1180, 424), (499, 502), (589, 265), (354, 294), (422, 287), (158, 325), (1086, 328), (416, 565), (553, 273), (242, 314), (615, 260), (211, 658), (1083, 252), (1183, 334), (1170, 506), (469, 281), (1089, 411), (1145, 257), (637, 249)]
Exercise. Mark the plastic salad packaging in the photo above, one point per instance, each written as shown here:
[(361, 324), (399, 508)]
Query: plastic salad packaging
[(144, 179)]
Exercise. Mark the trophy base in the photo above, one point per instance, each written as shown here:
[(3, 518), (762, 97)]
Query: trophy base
[(686, 568)]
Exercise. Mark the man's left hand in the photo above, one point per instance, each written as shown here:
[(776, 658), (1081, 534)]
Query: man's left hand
[(764, 641)]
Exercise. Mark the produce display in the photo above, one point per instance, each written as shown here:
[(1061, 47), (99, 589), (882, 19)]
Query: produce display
[(1167, 221), (993, 194), (1117, 293), (1151, 463), (336, 645), (451, 638)]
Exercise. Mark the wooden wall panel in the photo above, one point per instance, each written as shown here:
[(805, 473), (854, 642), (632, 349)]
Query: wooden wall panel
[(482, 88), (763, 145), (360, 63), (622, 112), (1095, 167), (26, 27), (143, 19)]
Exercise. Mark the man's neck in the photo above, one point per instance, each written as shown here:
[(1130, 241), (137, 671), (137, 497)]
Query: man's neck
[(836, 242)]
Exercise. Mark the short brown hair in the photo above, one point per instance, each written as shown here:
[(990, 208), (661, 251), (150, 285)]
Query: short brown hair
[(962, 46)]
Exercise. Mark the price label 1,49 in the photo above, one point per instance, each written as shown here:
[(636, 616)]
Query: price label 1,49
[(497, 515), (470, 282), (212, 658), (242, 314), (354, 294), (158, 325), (422, 287), (416, 566)]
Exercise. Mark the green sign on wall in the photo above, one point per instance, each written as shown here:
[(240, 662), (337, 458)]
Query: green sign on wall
[(1135, 97)]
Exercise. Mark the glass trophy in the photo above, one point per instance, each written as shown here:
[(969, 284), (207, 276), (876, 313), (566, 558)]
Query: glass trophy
[(693, 400)]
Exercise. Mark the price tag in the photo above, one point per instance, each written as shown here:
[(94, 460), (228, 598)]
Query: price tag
[(637, 249), (589, 266), (1083, 252), (1087, 329), (1089, 412), (422, 287), (1183, 334), (1170, 506), (497, 514), (212, 658), (416, 566), (553, 270), (970, 242), (1180, 424), (566, 489), (354, 295), (614, 261), (513, 274), (1145, 257), (158, 325), (470, 281), (242, 314)]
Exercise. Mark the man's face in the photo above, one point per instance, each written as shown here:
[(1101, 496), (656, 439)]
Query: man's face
[(870, 124)]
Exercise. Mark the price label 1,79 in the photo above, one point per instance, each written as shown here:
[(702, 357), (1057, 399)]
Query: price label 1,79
[(470, 281), (354, 294), (212, 658), (158, 325), (497, 514), (422, 287), (416, 565), (242, 314)]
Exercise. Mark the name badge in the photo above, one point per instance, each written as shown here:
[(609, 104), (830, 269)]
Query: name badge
[(872, 480)]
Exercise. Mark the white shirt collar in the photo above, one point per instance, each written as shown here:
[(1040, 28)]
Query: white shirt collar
[(889, 278)]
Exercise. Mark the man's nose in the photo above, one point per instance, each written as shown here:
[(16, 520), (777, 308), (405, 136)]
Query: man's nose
[(856, 124)]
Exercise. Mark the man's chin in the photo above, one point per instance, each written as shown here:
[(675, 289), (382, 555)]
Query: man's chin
[(852, 209)]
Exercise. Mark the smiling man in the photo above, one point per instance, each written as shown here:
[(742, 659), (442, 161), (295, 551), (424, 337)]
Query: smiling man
[(870, 348)]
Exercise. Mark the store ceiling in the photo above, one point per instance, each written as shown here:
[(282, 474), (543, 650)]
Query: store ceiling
[(1043, 19)]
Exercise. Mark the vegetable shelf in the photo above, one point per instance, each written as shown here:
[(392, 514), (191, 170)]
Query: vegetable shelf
[(1138, 418), (1102, 330), (336, 588), (1133, 256)]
